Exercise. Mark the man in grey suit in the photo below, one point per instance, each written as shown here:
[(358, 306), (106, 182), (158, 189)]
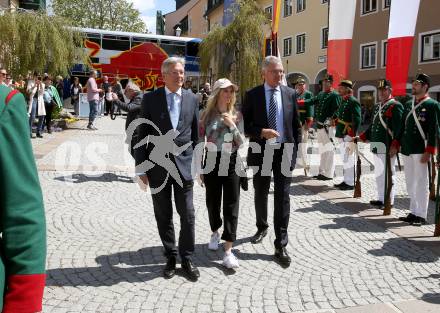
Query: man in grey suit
[(164, 162), (271, 122)]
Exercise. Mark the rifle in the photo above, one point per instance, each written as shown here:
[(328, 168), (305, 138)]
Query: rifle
[(325, 126), (358, 173), (432, 193), (398, 162), (388, 178)]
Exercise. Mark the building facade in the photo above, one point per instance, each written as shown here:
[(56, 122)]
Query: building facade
[(302, 40), (9, 4), (368, 63)]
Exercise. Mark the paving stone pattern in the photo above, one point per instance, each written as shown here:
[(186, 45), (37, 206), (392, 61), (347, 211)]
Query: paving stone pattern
[(105, 255)]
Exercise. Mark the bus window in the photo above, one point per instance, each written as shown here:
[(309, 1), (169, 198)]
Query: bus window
[(173, 48), (118, 43), (138, 40), (192, 49), (96, 38)]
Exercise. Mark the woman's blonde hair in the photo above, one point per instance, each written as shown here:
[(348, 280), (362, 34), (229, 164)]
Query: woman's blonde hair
[(211, 104)]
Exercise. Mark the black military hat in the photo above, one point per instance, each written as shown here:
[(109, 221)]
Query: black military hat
[(384, 83), (346, 83), (328, 77), (300, 81), (423, 79)]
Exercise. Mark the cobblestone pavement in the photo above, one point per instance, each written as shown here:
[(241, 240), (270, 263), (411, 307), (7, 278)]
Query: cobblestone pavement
[(105, 255)]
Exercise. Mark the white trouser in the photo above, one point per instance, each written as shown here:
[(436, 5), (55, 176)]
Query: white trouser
[(345, 145), (303, 146), (417, 184), (327, 152), (379, 173)]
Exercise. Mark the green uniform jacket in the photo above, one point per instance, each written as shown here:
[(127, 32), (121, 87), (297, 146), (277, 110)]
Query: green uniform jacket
[(305, 109), (348, 117), (325, 105), (392, 115), (22, 223), (411, 141)]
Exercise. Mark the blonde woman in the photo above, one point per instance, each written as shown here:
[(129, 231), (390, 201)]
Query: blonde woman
[(222, 125)]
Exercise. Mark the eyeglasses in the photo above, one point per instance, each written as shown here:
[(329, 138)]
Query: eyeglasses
[(4, 73)]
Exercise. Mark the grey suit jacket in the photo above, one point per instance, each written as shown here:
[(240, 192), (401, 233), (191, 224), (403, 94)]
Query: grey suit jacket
[(154, 108)]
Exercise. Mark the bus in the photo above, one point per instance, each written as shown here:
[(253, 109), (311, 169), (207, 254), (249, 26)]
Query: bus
[(136, 56)]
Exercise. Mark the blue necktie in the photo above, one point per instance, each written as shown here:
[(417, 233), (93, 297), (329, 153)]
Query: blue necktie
[(174, 112), (272, 117)]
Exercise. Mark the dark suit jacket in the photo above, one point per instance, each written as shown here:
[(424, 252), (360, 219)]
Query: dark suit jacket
[(255, 119), (155, 109)]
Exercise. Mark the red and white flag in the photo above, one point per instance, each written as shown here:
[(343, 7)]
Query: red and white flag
[(403, 19), (340, 36)]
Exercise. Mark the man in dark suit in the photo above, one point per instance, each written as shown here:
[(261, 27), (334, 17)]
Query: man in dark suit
[(164, 163), (271, 122)]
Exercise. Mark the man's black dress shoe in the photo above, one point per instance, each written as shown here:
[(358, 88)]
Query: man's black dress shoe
[(190, 270), (258, 237), (346, 187), (408, 219), (322, 177), (376, 202), (282, 257), (418, 221), (170, 268)]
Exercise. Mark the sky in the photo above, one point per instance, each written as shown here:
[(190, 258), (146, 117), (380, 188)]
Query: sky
[(148, 10)]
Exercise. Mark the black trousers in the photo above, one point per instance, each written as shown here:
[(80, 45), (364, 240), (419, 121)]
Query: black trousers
[(281, 200), (108, 106), (48, 119), (163, 211), (228, 184)]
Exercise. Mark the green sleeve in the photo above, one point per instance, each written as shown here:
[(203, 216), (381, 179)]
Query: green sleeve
[(397, 120), (21, 201), (309, 107), (356, 116), (432, 127), (311, 101)]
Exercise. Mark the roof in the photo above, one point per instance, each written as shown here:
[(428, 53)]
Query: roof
[(142, 35)]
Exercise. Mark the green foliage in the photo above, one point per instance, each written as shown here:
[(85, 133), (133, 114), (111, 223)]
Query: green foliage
[(237, 49), (117, 15), (36, 41)]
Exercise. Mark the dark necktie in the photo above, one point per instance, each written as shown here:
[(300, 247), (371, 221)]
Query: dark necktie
[(272, 118)]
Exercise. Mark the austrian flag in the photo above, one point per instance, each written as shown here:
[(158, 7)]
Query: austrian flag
[(403, 20)]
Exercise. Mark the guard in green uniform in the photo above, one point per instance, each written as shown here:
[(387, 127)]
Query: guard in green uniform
[(325, 105), (386, 126), (22, 224), (306, 117), (348, 120), (417, 144)]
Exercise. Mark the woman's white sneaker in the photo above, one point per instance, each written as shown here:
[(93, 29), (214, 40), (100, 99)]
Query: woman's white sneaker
[(215, 240), (230, 261)]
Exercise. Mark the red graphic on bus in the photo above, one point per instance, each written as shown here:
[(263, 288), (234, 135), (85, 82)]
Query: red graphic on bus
[(142, 64)]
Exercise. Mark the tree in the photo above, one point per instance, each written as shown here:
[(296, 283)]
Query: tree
[(237, 49), (117, 15), (35, 41)]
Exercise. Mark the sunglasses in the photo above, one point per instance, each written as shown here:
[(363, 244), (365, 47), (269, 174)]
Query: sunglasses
[(3, 73)]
